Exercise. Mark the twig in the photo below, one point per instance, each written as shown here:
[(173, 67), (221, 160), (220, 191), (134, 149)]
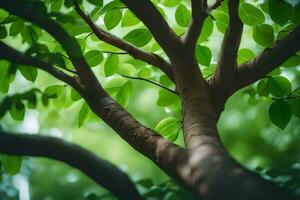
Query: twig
[(152, 82)]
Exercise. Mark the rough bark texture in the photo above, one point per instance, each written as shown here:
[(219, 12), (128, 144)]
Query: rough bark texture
[(204, 166)]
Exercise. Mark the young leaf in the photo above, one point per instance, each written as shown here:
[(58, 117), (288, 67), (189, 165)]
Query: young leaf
[(93, 57), (129, 19), (75, 96), (221, 19), (245, 55), (207, 30), (182, 16), (29, 73), (279, 86), (166, 98), (96, 2), (280, 11), (250, 15), (263, 35), (112, 18), (111, 65), (203, 55), (11, 164), (17, 110), (83, 114), (169, 128), (138, 37), (280, 113)]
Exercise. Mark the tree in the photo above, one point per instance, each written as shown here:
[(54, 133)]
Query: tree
[(55, 40)]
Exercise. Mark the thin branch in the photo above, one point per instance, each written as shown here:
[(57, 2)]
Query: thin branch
[(268, 60), (199, 14), (101, 171), (154, 21), (152, 82), (135, 52), (17, 57), (111, 52), (215, 5), (227, 61)]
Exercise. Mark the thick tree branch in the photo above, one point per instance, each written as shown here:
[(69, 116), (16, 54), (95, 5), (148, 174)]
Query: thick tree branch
[(157, 25), (135, 52), (268, 60), (14, 56), (101, 171), (227, 61), (198, 16)]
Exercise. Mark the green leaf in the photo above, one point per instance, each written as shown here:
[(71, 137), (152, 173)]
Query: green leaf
[(96, 2), (29, 35), (4, 76), (53, 91), (115, 83), (129, 19), (138, 37), (295, 105), (75, 96), (93, 57), (280, 11), (166, 98), (83, 114), (3, 14), (280, 113), (126, 69), (5, 105), (292, 61), (145, 73), (11, 164), (170, 3), (263, 35), (203, 55), (3, 32), (111, 65), (146, 183), (279, 86), (182, 16), (296, 16), (112, 18), (16, 27), (17, 110), (250, 15), (245, 55), (262, 88), (124, 94), (169, 128), (207, 30), (221, 19), (29, 73)]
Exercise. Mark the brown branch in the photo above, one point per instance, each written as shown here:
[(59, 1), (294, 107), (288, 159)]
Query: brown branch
[(14, 56), (152, 82), (135, 52), (227, 61), (268, 60), (199, 14), (154, 21), (101, 171)]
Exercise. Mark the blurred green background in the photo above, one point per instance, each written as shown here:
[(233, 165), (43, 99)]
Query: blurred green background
[(244, 126)]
